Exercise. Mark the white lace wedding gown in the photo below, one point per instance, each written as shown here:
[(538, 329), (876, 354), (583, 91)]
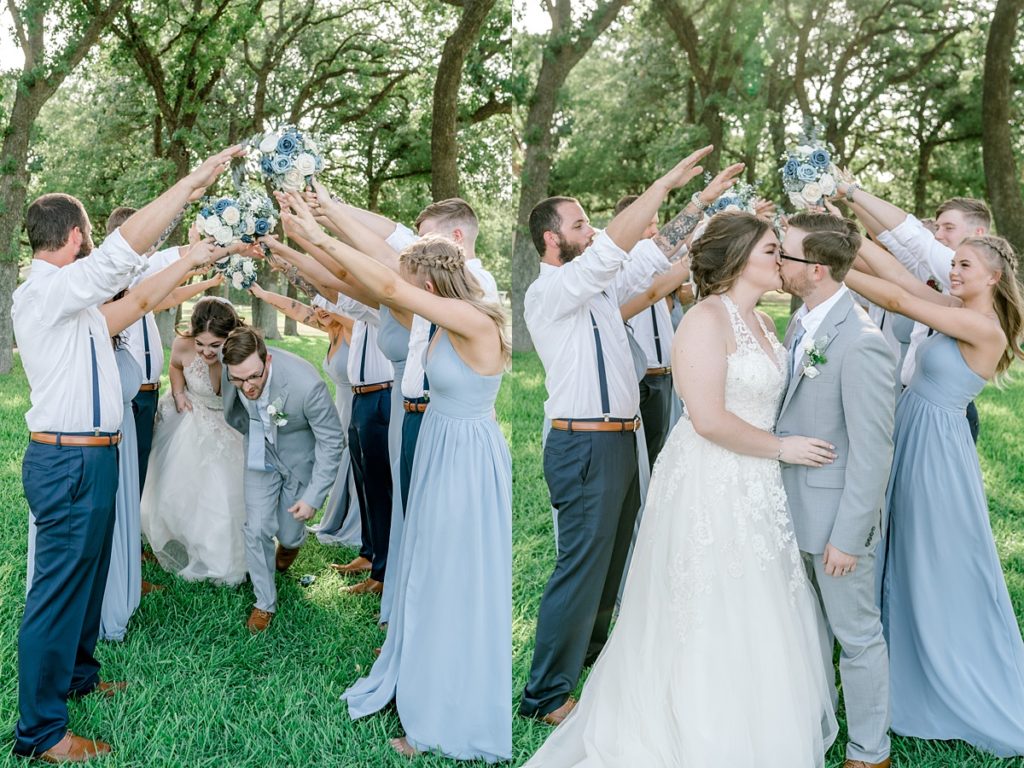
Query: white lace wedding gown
[(715, 659), (193, 506)]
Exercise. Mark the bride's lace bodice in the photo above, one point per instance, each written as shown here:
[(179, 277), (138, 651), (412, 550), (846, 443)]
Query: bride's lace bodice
[(200, 388), (754, 385)]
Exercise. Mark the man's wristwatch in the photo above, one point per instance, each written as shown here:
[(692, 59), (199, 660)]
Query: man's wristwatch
[(699, 204)]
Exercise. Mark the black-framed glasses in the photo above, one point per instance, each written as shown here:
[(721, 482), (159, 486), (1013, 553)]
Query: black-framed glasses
[(794, 258), (248, 379)]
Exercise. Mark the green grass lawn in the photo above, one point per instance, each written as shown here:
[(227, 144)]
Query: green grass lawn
[(206, 693)]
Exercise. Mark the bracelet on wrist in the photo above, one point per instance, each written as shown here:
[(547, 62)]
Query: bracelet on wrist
[(699, 204), (850, 190), (779, 456)]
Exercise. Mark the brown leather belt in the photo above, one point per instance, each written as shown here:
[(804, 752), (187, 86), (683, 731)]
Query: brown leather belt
[(659, 371), (411, 407), (74, 441), (365, 389), (149, 387), (588, 425)]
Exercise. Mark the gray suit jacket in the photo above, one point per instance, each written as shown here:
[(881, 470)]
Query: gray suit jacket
[(307, 448), (851, 404)]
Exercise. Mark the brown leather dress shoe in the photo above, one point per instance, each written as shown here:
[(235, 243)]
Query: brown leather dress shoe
[(74, 749), (556, 717), (284, 557), (365, 587), (102, 689), (864, 764), (356, 565), (149, 587), (259, 620)]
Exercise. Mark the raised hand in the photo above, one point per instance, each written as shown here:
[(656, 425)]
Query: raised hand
[(204, 253), (297, 218), (210, 169), (764, 209), (721, 183), (686, 169)]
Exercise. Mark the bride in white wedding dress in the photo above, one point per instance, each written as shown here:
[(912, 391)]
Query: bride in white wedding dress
[(715, 659), (193, 505)]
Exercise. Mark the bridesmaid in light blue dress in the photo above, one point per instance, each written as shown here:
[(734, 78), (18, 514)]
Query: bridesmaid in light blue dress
[(341, 524), (124, 579), (393, 340), (956, 656)]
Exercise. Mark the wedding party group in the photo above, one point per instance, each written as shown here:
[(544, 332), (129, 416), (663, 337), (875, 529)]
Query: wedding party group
[(730, 512), (223, 475)]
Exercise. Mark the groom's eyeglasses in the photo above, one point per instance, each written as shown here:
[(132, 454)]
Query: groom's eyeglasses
[(248, 379), (794, 258)]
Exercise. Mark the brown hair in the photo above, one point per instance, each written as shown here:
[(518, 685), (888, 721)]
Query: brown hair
[(118, 216), (544, 218), (624, 203), (720, 254), (450, 214), (1006, 299), (50, 219), (443, 263), (242, 342), (830, 241), (212, 314), (975, 211)]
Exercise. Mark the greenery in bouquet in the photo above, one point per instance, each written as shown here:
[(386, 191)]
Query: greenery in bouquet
[(808, 173), (288, 158)]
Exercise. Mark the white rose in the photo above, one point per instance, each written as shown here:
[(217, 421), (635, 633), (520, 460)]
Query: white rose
[(282, 422), (211, 225), (271, 410), (305, 164), (796, 200), (269, 143), (811, 372), (235, 259), (293, 180), (248, 225), (812, 192), (231, 216), (236, 280), (224, 235), (807, 345), (827, 184), (248, 267)]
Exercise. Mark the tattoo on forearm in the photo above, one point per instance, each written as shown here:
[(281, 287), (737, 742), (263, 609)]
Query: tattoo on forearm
[(673, 233), (167, 232), (293, 276)]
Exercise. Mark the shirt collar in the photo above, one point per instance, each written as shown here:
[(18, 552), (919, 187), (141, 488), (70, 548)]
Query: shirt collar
[(813, 317)]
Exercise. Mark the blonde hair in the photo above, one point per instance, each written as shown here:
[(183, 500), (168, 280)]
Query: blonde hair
[(443, 263), (1006, 298)]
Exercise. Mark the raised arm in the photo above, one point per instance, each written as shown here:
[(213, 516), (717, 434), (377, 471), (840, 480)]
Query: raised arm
[(699, 362), (183, 293), (317, 268), (293, 308), (884, 265), (660, 287), (671, 236), (871, 209), (151, 291), (364, 232)]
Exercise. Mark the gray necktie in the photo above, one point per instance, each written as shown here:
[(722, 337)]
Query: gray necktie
[(257, 454)]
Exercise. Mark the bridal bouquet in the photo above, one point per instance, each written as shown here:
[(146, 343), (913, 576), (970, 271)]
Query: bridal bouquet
[(239, 270), (220, 218), (289, 158), (739, 198), (809, 174), (259, 217)]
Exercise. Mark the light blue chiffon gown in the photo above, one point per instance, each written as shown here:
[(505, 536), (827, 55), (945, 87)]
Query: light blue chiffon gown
[(124, 579), (447, 659), (393, 340), (955, 652), (340, 525)]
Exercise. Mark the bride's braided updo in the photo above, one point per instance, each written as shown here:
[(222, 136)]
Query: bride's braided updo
[(1007, 301), (442, 263)]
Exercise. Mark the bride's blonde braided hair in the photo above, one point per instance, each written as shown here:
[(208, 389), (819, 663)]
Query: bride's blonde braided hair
[(443, 263), (1006, 299)]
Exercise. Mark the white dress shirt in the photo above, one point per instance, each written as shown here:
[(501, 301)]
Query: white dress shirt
[(377, 368), (652, 328), (811, 321), (557, 307), (54, 312), (135, 338), (916, 248)]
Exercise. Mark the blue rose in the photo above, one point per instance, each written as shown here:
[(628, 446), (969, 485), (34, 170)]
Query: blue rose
[(247, 239), (820, 158), (206, 212), (286, 145), (806, 172), (262, 226), (221, 205), (789, 169), (281, 163), (267, 165)]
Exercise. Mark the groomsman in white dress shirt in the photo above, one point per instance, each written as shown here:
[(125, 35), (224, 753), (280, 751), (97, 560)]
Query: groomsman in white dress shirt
[(590, 457), (74, 420)]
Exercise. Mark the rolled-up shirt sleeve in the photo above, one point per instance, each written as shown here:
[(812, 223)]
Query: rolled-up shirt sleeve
[(916, 248), (92, 280), (572, 285)]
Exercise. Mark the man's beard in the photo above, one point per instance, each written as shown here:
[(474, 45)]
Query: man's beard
[(84, 249), (568, 251)]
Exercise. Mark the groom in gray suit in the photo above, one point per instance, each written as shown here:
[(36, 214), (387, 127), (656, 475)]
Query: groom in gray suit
[(292, 449), (840, 390)]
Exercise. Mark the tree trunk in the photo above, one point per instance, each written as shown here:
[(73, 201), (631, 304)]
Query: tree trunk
[(444, 149), (291, 328), (1001, 177), (921, 179), (166, 323)]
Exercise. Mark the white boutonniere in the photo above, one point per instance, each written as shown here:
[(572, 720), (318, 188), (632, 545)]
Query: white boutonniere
[(279, 417), (814, 351)]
